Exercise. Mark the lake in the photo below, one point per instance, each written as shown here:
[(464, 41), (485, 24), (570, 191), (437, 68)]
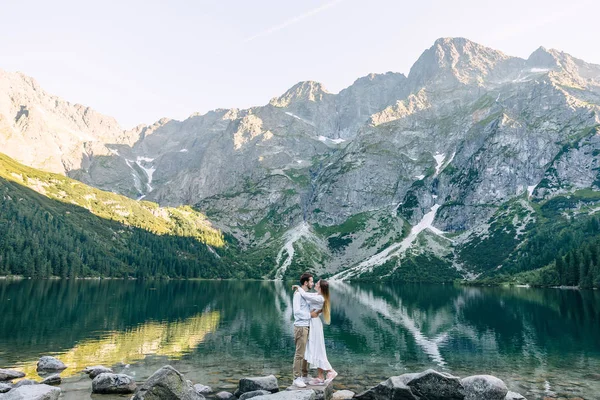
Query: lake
[(541, 342)]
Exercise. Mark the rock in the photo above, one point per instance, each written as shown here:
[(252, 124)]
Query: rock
[(52, 380), (514, 396), (249, 395), (434, 385), (24, 382), (167, 383), (48, 363), (5, 387), (224, 396), (107, 383), (268, 383), (202, 389), (394, 388), (33, 392), (302, 394), (343, 395), (322, 392), (96, 370), (484, 387), (9, 375)]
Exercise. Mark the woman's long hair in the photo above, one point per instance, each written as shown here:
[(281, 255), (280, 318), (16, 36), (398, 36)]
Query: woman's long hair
[(326, 306)]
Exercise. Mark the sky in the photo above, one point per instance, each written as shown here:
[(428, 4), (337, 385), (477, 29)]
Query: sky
[(139, 61)]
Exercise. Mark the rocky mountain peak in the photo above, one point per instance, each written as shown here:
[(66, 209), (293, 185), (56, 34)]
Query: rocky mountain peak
[(455, 60), (301, 92)]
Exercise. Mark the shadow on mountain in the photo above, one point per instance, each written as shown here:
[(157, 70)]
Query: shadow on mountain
[(42, 237)]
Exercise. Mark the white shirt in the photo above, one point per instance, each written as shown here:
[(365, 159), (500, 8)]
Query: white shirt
[(301, 311)]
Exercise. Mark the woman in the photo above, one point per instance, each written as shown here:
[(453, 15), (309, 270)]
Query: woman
[(315, 349)]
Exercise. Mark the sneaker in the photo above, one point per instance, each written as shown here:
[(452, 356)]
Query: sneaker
[(307, 379), (299, 382), (316, 382), (330, 376)]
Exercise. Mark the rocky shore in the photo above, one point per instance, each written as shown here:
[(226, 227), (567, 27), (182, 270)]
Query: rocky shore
[(168, 383)]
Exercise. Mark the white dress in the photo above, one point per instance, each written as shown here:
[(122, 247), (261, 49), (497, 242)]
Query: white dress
[(315, 352)]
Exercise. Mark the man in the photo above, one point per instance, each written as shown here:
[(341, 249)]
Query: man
[(302, 316)]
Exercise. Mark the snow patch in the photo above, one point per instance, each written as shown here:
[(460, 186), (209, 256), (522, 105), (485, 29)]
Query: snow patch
[(183, 150), (291, 236), (300, 118), (540, 69), (149, 171), (420, 177), (393, 250), (113, 151), (530, 190), (325, 139)]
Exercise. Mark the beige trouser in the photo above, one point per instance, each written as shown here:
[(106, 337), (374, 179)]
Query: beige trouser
[(300, 338)]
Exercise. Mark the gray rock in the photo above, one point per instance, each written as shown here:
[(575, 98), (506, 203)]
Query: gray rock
[(48, 363), (302, 394), (486, 387), (343, 395), (52, 380), (9, 374), (268, 383), (224, 396), (33, 392), (167, 383), (249, 395), (514, 396), (107, 383), (5, 387), (96, 370), (434, 385), (394, 388), (24, 382), (202, 389), (322, 392)]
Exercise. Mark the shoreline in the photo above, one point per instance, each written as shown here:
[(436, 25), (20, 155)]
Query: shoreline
[(458, 283)]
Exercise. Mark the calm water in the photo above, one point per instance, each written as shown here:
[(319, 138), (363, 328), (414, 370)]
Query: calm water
[(541, 342)]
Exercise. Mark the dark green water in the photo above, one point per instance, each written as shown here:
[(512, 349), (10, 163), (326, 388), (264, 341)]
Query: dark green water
[(541, 342)]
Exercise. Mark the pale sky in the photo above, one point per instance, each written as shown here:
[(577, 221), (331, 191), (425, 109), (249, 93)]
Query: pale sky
[(139, 61)]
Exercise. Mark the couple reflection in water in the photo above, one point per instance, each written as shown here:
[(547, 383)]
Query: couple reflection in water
[(308, 331)]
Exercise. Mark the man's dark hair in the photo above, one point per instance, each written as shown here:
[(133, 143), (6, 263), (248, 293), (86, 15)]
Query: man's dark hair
[(305, 277)]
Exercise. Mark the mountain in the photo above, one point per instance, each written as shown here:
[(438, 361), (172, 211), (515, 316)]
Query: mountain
[(449, 172), (54, 225)]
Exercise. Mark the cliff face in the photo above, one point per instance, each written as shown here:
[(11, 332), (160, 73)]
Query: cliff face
[(391, 169)]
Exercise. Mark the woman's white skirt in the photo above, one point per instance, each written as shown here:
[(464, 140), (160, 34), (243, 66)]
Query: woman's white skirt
[(315, 352)]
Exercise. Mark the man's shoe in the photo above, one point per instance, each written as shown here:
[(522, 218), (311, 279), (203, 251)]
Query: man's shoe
[(299, 382)]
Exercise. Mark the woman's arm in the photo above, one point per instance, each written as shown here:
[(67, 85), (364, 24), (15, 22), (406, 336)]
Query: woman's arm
[(313, 299)]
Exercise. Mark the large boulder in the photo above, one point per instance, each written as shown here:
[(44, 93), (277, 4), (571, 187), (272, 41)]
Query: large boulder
[(434, 385), (32, 392), (9, 375), (268, 383), (107, 383), (289, 395), (486, 387), (167, 383), (322, 392), (249, 395), (48, 363), (96, 370), (394, 388)]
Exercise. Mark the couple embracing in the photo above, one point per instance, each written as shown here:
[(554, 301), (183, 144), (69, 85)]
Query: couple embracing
[(308, 331)]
